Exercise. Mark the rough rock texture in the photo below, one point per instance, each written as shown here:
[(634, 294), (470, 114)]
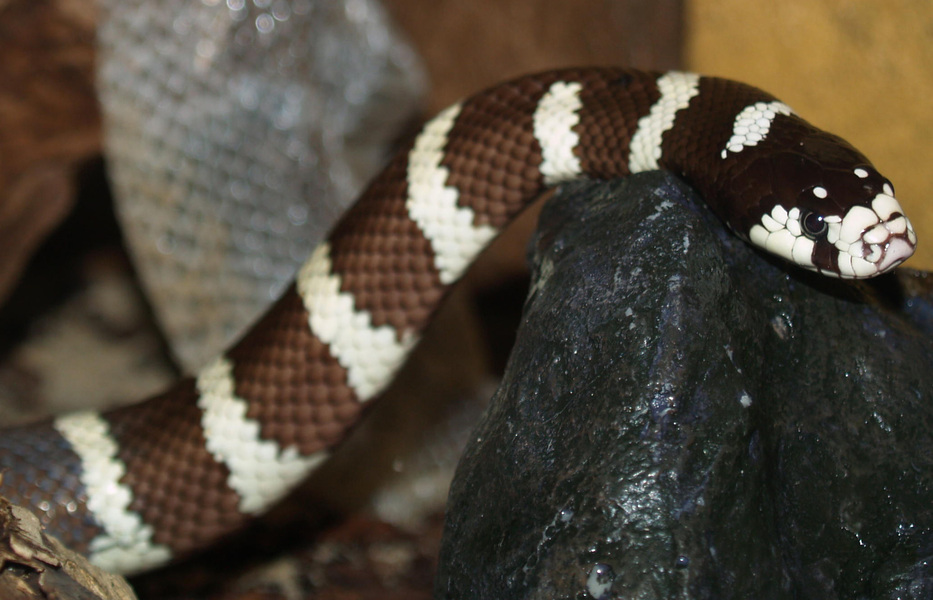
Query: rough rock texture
[(682, 418)]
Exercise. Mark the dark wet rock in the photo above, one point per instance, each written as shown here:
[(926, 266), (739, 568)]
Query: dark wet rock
[(682, 418)]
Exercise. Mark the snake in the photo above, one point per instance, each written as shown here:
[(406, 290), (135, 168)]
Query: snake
[(139, 486)]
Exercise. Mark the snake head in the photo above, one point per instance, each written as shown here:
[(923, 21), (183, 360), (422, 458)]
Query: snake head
[(831, 211)]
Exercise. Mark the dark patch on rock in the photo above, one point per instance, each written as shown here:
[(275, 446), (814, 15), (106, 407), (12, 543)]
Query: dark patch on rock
[(683, 419)]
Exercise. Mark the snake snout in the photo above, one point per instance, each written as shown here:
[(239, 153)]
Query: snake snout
[(893, 238), (873, 240)]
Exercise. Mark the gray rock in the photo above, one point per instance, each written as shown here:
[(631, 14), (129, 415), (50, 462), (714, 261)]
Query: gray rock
[(682, 417)]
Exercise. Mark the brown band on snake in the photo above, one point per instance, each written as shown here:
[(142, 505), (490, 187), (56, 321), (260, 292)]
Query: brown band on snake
[(619, 100), (383, 259), (295, 388), (171, 472), (710, 121), (493, 156)]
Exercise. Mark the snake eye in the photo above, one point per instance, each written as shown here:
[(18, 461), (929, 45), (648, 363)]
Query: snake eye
[(812, 224)]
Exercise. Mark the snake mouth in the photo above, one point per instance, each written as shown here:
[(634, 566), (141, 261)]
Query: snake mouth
[(872, 240)]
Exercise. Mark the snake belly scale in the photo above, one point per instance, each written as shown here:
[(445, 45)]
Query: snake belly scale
[(140, 486)]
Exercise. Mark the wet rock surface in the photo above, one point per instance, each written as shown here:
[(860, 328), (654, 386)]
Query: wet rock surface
[(683, 418)]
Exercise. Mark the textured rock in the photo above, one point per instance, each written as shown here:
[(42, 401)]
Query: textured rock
[(682, 418)]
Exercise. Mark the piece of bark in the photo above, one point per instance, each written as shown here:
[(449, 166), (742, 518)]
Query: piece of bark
[(36, 566)]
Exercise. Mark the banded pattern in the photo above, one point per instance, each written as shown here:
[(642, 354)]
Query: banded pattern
[(141, 485)]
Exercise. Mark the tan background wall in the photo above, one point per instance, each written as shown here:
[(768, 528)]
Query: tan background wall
[(860, 68)]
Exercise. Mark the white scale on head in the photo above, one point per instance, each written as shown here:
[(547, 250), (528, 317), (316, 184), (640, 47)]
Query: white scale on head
[(752, 125)]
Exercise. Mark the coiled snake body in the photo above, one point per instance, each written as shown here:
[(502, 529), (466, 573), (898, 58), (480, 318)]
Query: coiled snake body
[(139, 486)]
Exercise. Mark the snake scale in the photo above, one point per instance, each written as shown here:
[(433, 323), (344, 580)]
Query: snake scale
[(137, 487)]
